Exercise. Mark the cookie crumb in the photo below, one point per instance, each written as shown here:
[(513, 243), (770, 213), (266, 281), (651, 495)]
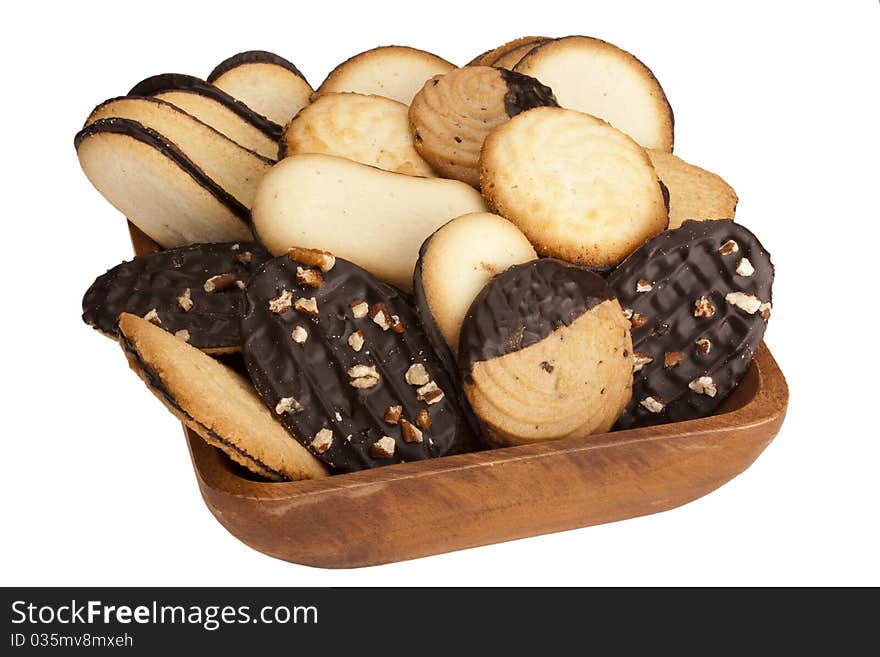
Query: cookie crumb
[(652, 404), (184, 300), (703, 308), (359, 309), (153, 317), (182, 334), (748, 302), (392, 415), (322, 441), (288, 405), (417, 375), (309, 305), (299, 334), (282, 303), (356, 340), (382, 448), (410, 433), (703, 385), (429, 393)]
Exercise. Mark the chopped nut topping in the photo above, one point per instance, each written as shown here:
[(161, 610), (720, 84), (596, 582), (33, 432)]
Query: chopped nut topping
[(704, 346), (219, 282), (310, 277), (245, 257), (299, 334), (396, 324), (748, 302), (153, 317), (356, 340), (322, 440), (184, 300), (652, 404), (637, 320), (643, 286), (313, 258), (672, 358), (287, 405), (410, 433), (765, 310), (423, 418), (392, 415), (308, 306), (182, 334), (363, 376), (382, 448), (640, 360), (703, 385), (338, 416), (417, 375), (703, 308), (239, 284), (359, 309), (429, 393), (728, 248), (282, 303), (235, 247), (628, 313), (380, 315), (745, 268)]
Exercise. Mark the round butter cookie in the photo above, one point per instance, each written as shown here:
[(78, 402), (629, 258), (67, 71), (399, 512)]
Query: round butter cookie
[(457, 262), (452, 114), (596, 77), (396, 72), (546, 353), (694, 193), (579, 189), (372, 130)]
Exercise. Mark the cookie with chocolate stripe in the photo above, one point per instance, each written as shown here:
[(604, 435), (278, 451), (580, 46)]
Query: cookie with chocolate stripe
[(698, 299)]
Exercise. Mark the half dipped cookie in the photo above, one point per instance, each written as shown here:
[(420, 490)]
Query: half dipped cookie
[(546, 353)]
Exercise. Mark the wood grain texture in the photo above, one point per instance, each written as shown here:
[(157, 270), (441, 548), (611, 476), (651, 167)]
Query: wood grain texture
[(417, 509)]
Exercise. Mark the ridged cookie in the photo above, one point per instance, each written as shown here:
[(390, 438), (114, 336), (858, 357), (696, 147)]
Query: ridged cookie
[(698, 298), (396, 72), (579, 189), (694, 193), (546, 354), (494, 56), (457, 262), (596, 77), (372, 130), (215, 402), (452, 114)]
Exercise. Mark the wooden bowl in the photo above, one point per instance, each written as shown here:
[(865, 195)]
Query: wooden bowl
[(411, 510)]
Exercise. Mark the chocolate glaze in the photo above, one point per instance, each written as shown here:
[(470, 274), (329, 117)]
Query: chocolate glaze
[(253, 57), (135, 130), (180, 82), (683, 265), (156, 280), (524, 305), (315, 372), (154, 383), (525, 92)]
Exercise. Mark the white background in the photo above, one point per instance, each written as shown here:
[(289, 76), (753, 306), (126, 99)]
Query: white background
[(781, 99)]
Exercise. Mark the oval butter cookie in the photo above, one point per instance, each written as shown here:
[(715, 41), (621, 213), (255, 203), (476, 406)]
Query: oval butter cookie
[(694, 193), (579, 189), (457, 261), (596, 77), (546, 353), (396, 72), (369, 129), (453, 113)]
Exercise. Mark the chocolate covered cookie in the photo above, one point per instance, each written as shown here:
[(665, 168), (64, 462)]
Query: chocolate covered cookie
[(698, 298), (452, 114), (546, 353), (341, 360), (194, 292)]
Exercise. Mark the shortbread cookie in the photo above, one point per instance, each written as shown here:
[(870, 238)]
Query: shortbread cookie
[(694, 193), (598, 78), (546, 353), (452, 114), (372, 130), (215, 107), (157, 187), (512, 57), (698, 298), (268, 84), (457, 262), (494, 56), (375, 218), (396, 72), (215, 402), (579, 189), (194, 292), (342, 361)]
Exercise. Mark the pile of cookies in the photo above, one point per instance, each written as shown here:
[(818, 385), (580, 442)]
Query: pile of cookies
[(416, 259)]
